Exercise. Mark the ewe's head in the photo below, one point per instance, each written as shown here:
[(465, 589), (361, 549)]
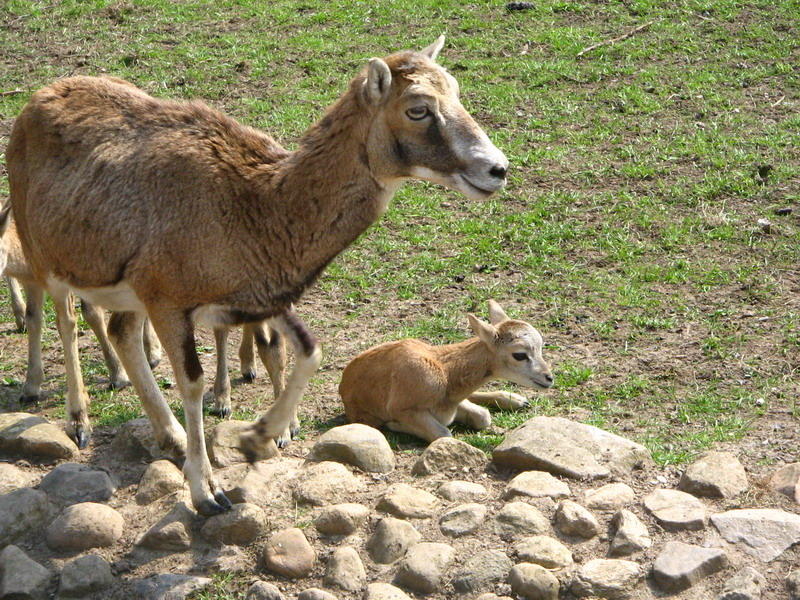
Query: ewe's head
[(516, 348), (420, 129)]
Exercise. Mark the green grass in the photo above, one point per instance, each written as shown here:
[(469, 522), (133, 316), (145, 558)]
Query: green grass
[(627, 232)]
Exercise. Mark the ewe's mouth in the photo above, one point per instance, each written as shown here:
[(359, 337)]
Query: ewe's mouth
[(477, 188)]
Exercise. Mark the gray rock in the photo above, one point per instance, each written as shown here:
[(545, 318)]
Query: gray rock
[(173, 532), (519, 518), (675, 510), (564, 447), (261, 590), (408, 502), (341, 519), (135, 441), (544, 551), (384, 591), (22, 511), (168, 586), (222, 443), (423, 567), (630, 534), (22, 577), (574, 520), (31, 436), (85, 575), (264, 483), (482, 571), (680, 566), (13, 478), (325, 483), (715, 475), (491, 596), (240, 526), (786, 481), (609, 497), (359, 445), (533, 582), (745, 585), (224, 559), (447, 455), (345, 570), (536, 484), (793, 584), (71, 483), (315, 594), (288, 553), (607, 578), (162, 477), (462, 491), (761, 532), (391, 540), (462, 520), (84, 526)]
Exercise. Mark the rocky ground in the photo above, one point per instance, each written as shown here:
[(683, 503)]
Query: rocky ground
[(560, 510)]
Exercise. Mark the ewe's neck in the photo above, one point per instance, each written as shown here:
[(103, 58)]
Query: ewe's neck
[(468, 367)]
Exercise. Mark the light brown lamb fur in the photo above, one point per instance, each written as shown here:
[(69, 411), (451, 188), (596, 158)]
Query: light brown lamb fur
[(176, 211)]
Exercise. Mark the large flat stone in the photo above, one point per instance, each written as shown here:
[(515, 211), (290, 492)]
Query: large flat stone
[(355, 444), (564, 447), (22, 511), (31, 436), (680, 566), (762, 532)]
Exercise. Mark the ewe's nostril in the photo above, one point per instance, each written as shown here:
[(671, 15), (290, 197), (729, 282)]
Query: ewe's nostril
[(498, 171)]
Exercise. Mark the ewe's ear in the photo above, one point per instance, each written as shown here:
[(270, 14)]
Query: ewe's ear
[(496, 313), (433, 50), (486, 333), (379, 80)]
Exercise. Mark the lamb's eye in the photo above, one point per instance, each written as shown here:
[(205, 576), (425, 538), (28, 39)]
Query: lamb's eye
[(520, 356), (417, 113)]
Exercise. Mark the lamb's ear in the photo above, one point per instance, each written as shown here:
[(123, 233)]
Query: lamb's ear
[(487, 333), (378, 82), (496, 313), (4, 218), (433, 50)]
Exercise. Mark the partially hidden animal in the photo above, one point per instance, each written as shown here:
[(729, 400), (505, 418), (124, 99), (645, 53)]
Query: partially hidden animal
[(413, 387), (176, 212)]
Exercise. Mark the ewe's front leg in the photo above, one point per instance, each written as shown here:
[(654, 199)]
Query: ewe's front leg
[(222, 381), (502, 400), (177, 335), (276, 423)]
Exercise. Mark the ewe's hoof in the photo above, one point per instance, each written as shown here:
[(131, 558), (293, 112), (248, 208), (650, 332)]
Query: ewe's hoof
[(154, 362), (118, 384), (223, 501), (81, 438), (209, 508), (29, 399), (223, 412), (249, 376)]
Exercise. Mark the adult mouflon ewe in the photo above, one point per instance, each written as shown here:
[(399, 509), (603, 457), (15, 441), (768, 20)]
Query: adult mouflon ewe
[(174, 211)]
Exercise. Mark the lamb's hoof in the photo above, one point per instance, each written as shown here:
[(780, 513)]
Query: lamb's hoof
[(221, 412), (154, 362), (249, 376), (223, 501), (118, 384), (525, 403), (29, 399), (209, 508)]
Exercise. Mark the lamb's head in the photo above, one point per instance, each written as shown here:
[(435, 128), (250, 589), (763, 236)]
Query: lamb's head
[(420, 129), (516, 348)]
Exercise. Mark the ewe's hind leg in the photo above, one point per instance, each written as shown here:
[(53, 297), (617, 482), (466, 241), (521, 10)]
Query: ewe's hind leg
[(125, 333), (246, 357), (222, 382), (420, 423), (502, 400), (17, 303), (473, 415), (78, 427), (176, 333), (94, 316), (152, 347), (277, 421), (33, 321)]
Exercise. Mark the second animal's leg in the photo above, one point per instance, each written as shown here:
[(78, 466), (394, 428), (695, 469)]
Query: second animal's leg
[(78, 426), (271, 347), (33, 321), (94, 316), (17, 303), (176, 333), (276, 423), (152, 347), (125, 332), (222, 382), (246, 356), (473, 415), (420, 423), (502, 400)]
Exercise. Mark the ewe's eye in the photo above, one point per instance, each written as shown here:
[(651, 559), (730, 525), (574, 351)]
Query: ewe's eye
[(417, 113), (520, 356)]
